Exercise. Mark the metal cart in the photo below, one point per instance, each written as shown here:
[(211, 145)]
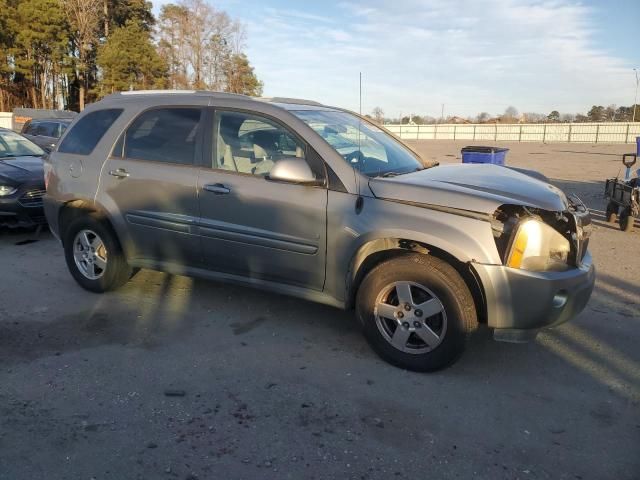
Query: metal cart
[(623, 196)]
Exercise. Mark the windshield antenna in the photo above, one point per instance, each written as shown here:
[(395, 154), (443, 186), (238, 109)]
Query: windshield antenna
[(359, 199)]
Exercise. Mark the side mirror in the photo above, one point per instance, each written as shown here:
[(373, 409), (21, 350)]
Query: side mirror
[(293, 170)]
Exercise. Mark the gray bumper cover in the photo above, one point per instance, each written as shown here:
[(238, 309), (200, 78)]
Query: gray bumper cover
[(520, 303)]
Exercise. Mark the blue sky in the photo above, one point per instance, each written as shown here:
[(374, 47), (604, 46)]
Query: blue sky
[(471, 56)]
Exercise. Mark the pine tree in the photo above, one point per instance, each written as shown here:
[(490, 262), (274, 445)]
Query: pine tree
[(40, 48), (240, 77), (128, 60)]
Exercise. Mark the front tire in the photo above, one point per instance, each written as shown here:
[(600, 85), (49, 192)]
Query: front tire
[(93, 255), (416, 311)]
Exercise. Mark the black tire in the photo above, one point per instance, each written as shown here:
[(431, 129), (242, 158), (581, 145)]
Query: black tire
[(445, 283), (611, 213), (626, 220), (117, 271)]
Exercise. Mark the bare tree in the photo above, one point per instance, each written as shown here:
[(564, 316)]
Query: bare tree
[(378, 115), (172, 43), (202, 45), (84, 19), (510, 114), (483, 117)]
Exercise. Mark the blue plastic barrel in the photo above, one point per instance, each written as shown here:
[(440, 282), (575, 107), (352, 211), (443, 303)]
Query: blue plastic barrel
[(479, 154), (638, 146)]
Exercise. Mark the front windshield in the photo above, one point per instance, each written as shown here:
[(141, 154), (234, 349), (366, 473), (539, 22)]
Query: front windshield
[(14, 145), (366, 147)]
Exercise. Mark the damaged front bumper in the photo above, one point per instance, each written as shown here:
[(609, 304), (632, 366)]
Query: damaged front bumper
[(520, 303)]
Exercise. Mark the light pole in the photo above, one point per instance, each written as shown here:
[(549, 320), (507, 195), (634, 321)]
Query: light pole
[(635, 99)]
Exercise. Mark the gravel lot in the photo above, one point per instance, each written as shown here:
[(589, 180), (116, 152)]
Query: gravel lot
[(272, 387)]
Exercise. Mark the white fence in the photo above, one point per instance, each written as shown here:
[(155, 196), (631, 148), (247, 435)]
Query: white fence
[(618, 132), (5, 119)]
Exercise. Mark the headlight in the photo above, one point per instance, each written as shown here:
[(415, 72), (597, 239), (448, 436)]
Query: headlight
[(539, 248), (6, 190)]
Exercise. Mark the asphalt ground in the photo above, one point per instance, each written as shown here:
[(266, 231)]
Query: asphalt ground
[(173, 377)]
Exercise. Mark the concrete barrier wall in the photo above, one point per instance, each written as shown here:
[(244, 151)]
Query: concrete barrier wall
[(5, 119), (614, 132)]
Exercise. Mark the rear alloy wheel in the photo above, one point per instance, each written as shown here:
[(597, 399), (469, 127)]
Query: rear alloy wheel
[(93, 255), (416, 311), (90, 254)]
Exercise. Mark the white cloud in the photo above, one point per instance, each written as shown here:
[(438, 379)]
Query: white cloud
[(417, 54)]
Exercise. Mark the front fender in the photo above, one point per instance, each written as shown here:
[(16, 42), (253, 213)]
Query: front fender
[(384, 223)]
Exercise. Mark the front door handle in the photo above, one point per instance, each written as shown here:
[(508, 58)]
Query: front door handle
[(119, 173), (217, 188)]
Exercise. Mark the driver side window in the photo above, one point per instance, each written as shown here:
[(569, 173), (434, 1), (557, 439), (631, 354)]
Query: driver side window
[(252, 144)]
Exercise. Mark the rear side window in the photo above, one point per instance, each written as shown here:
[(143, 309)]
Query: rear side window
[(164, 135), (87, 132), (46, 129)]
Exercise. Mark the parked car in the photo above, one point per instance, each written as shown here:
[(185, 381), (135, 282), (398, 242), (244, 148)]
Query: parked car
[(21, 181), (45, 132), (317, 202)]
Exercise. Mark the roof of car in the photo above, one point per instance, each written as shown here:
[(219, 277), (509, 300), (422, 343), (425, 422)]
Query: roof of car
[(53, 119), (282, 102)]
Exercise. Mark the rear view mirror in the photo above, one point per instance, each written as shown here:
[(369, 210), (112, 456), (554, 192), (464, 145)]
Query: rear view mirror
[(293, 170)]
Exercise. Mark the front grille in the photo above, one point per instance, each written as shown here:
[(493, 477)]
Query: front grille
[(32, 197)]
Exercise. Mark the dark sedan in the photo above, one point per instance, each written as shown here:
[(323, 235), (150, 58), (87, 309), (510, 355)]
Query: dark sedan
[(45, 132), (21, 181)]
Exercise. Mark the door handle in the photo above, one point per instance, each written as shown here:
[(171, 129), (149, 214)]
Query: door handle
[(119, 173), (217, 188)]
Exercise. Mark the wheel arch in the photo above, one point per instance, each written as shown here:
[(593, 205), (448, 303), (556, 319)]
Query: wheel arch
[(374, 252), (79, 207)]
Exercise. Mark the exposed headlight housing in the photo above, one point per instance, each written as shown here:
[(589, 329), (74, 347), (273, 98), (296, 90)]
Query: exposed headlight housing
[(537, 247), (6, 190)]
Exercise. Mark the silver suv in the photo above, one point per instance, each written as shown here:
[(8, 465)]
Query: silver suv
[(317, 202)]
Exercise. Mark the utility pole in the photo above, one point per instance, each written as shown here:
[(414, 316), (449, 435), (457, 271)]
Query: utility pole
[(635, 99)]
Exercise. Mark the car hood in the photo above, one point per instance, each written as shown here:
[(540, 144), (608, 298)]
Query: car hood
[(477, 188), (21, 169)]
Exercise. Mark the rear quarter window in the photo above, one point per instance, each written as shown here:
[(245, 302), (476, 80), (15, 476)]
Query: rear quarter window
[(88, 131)]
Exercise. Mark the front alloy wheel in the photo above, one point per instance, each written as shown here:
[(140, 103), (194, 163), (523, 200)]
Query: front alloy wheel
[(416, 311), (410, 317)]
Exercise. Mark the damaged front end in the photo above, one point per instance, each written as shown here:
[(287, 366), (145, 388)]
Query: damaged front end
[(539, 240)]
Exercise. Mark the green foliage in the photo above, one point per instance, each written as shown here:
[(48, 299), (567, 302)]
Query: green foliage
[(240, 77), (554, 116), (128, 60), (122, 11), (63, 53), (596, 114), (41, 39)]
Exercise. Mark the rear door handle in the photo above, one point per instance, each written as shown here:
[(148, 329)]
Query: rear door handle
[(217, 188), (119, 173)]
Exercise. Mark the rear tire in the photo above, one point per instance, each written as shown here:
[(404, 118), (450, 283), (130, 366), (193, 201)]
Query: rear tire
[(626, 220), (428, 331), (611, 213), (93, 255)]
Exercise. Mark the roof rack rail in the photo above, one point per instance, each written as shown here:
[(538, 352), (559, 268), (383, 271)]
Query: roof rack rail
[(294, 101), (172, 92)]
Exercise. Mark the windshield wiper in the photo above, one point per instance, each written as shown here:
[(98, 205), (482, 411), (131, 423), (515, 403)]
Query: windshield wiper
[(395, 174)]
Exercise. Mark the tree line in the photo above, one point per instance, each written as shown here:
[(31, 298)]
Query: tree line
[(63, 54), (597, 113)]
